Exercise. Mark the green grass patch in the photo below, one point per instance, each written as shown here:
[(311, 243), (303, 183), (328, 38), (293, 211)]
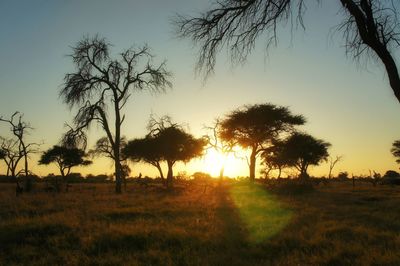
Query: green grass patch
[(262, 213)]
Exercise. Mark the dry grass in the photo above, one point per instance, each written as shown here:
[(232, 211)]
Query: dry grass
[(222, 225)]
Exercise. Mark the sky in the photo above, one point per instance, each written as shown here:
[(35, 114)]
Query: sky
[(346, 103)]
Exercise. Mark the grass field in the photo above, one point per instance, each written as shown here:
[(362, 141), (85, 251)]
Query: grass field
[(197, 224)]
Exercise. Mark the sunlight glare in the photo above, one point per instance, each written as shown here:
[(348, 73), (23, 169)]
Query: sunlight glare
[(213, 161)]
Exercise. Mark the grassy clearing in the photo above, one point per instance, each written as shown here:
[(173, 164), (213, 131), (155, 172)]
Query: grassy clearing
[(231, 224)]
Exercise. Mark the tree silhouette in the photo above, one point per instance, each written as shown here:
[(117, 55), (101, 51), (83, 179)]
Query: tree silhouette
[(369, 27), (167, 142), (302, 150), (20, 129), (65, 158), (332, 163), (100, 83), (255, 127), (395, 150), (146, 150), (12, 156)]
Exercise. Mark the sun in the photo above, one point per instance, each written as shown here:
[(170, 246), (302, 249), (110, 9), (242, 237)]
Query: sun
[(213, 161)]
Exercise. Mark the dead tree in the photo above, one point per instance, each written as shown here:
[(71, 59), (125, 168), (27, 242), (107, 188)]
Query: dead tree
[(332, 163), (17, 149)]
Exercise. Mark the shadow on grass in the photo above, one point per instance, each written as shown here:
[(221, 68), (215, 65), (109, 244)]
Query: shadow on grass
[(32, 242)]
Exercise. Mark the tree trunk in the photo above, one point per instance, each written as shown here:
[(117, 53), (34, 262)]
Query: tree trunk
[(252, 165), (170, 174), (117, 145), (160, 171), (279, 172), (118, 181)]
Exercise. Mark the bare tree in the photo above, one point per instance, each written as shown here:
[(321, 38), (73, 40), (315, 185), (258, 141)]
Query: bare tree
[(20, 129), (332, 163), (100, 82), (12, 155), (369, 27)]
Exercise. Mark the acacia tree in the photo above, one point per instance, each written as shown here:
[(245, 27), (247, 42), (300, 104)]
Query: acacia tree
[(101, 83), (146, 150), (369, 27), (256, 127), (65, 158), (167, 142), (302, 150)]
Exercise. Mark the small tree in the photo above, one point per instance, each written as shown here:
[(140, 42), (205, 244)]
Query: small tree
[(167, 142), (332, 163), (255, 127), (65, 158), (20, 129), (302, 150), (12, 156), (101, 83)]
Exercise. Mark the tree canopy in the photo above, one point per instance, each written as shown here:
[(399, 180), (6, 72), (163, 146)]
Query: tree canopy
[(255, 127), (302, 150)]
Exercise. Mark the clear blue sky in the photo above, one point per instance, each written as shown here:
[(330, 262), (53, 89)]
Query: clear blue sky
[(348, 104)]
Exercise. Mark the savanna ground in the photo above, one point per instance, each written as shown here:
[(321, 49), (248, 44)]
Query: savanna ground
[(201, 224)]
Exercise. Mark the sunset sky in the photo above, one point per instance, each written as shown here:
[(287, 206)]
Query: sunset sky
[(346, 103)]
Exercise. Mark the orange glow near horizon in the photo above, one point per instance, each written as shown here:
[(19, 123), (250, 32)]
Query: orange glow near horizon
[(214, 160)]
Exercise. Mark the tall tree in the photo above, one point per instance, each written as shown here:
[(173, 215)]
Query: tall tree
[(302, 150), (255, 127), (369, 27), (101, 83)]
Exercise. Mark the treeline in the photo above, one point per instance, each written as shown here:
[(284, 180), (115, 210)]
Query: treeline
[(98, 90)]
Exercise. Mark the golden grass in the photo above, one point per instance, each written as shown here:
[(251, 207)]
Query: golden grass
[(220, 225)]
